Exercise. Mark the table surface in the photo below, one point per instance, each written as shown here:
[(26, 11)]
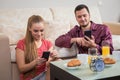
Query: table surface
[(84, 72)]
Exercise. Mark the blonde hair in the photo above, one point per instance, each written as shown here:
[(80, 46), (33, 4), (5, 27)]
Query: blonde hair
[(30, 46)]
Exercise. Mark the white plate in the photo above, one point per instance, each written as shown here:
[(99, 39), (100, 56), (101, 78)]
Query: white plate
[(76, 67), (109, 65)]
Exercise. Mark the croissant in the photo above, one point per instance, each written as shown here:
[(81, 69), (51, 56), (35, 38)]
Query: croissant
[(73, 63), (109, 60)]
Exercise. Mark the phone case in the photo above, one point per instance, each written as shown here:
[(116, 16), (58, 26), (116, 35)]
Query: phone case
[(87, 33), (46, 54)]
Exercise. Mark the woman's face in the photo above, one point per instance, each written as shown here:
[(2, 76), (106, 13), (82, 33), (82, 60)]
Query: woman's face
[(37, 30)]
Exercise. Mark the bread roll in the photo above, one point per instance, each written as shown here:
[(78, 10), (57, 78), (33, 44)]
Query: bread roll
[(109, 61), (73, 63)]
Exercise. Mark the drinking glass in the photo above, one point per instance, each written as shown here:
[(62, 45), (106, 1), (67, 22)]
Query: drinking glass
[(105, 49), (92, 53), (83, 58)]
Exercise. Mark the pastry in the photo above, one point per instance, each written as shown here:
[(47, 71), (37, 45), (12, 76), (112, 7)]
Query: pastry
[(109, 60), (73, 63)]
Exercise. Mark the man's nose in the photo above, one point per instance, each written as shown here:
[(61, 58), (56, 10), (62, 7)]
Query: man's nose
[(82, 18)]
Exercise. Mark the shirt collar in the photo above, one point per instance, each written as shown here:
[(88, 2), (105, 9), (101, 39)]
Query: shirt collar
[(93, 26)]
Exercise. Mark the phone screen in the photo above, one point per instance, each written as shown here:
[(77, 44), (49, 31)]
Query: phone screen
[(46, 54), (87, 33)]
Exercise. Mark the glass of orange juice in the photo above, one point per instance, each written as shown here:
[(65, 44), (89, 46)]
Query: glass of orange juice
[(105, 49), (92, 53)]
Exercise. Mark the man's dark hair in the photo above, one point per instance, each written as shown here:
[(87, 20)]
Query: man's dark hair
[(81, 6)]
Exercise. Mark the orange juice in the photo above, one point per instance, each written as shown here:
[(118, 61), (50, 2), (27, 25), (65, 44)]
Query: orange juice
[(105, 51), (89, 59), (92, 53)]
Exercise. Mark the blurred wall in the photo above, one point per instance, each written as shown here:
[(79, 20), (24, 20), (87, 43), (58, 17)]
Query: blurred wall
[(109, 9)]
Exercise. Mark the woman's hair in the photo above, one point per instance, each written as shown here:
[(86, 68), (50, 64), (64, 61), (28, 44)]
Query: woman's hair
[(30, 46)]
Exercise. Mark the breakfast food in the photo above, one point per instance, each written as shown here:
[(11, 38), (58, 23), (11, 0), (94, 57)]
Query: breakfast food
[(73, 63), (109, 60)]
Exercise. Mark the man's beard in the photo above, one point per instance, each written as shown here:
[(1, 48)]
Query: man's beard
[(85, 25)]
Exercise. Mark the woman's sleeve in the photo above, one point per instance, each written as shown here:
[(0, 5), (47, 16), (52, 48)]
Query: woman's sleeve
[(20, 45)]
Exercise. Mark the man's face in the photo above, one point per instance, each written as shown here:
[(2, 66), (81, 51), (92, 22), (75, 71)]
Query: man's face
[(82, 17)]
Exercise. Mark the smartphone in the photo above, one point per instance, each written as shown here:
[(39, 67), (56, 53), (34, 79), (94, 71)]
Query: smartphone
[(88, 34), (46, 54)]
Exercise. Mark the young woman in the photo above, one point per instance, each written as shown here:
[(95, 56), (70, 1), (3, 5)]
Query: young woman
[(29, 51)]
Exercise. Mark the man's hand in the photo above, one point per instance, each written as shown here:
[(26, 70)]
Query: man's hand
[(80, 41), (89, 42), (84, 42)]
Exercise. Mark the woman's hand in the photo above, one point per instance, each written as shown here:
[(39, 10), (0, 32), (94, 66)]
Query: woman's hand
[(39, 60), (53, 54)]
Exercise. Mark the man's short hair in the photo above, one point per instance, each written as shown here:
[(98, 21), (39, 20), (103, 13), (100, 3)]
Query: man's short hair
[(81, 6)]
